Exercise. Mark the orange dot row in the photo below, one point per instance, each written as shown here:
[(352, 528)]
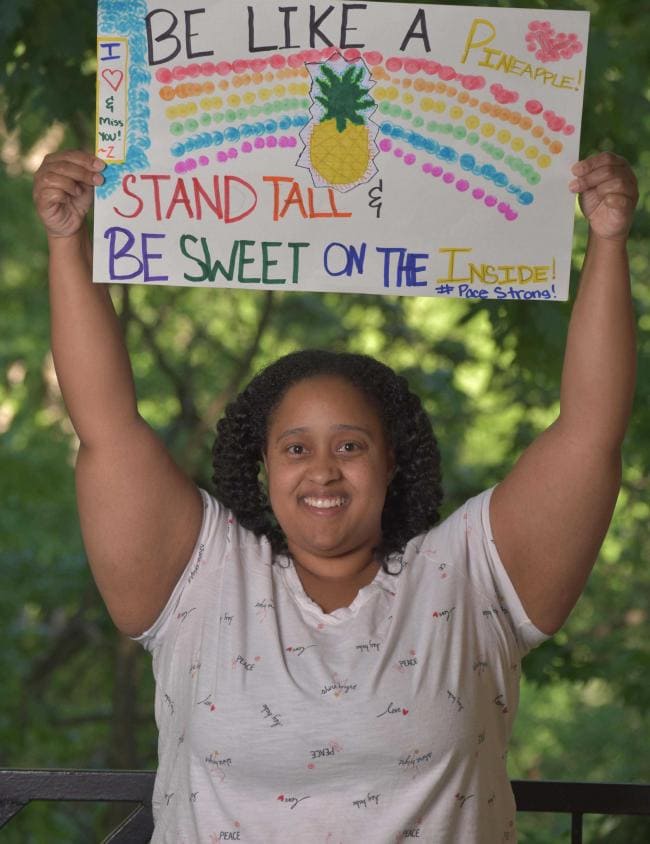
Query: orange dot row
[(242, 79), (195, 89), (377, 72), (186, 89)]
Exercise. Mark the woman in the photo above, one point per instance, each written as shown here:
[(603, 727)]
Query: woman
[(331, 664)]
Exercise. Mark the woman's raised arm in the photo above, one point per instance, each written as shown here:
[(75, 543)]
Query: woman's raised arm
[(550, 515), (140, 514)]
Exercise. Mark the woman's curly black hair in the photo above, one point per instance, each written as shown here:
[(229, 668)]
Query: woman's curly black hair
[(414, 494)]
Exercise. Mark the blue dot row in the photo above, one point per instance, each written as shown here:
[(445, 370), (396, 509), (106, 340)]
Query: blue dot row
[(233, 134), (466, 160), (418, 141), (490, 172)]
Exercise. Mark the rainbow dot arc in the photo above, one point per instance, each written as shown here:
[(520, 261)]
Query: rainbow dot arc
[(263, 103)]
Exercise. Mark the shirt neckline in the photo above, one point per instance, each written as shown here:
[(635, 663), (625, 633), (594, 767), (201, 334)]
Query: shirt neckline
[(382, 582)]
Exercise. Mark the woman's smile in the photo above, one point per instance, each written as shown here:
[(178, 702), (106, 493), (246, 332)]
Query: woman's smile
[(323, 504)]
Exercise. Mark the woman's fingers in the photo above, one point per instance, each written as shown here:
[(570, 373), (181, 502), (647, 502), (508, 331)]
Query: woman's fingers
[(607, 173), (57, 173), (79, 157), (55, 184), (608, 193), (63, 189)]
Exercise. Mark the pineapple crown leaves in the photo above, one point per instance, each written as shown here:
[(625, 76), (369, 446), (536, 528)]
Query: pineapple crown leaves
[(343, 97)]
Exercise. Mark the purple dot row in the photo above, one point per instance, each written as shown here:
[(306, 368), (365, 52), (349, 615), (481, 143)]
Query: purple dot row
[(270, 142), (462, 185)]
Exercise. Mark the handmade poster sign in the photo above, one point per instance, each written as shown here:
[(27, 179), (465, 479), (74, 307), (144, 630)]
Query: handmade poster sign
[(355, 147)]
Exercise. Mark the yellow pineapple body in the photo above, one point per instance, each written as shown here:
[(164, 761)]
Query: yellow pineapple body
[(340, 138), (340, 158)]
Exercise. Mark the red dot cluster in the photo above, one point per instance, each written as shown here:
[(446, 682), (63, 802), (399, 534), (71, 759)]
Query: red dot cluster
[(549, 45), (557, 123), (534, 107), (503, 95)]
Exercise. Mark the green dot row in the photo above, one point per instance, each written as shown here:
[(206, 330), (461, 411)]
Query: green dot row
[(517, 164), (461, 133), (232, 115)]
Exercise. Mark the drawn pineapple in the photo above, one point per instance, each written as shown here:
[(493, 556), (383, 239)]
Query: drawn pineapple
[(339, 140)]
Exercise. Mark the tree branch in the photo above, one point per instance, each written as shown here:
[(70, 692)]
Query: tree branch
[(181, 383), (70, 640), (242, 367)]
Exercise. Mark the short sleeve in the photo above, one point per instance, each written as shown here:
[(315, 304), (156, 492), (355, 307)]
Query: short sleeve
[(489, 575), (210, 547)]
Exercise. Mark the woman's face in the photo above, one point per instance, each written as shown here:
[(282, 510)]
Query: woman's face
[(329, 465)]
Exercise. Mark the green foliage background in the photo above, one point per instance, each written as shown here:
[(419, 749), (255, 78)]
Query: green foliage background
[(74, 692)]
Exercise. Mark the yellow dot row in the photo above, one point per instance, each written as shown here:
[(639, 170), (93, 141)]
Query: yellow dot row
[(182, 110), (427, 104), (380, 93), (235, 100)]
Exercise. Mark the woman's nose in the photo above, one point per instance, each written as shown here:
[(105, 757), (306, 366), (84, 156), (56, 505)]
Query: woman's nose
[(324, 467)]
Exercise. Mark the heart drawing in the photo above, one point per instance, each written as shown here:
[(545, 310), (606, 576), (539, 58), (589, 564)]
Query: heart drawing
[(549, 45), (114, 78)]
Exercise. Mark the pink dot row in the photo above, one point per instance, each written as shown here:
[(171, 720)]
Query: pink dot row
[(270, 142), (462, 185), (386, 145), (222, 156), (190, 164), (479, 194)]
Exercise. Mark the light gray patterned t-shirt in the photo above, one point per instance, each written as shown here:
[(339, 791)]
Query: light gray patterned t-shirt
[(380, 722)]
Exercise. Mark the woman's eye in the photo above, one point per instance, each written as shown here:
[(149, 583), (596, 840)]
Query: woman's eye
[(296, 450), (349, 447)]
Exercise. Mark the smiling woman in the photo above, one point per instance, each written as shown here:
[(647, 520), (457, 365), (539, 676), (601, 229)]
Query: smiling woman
[(358, 623), (331, 663)]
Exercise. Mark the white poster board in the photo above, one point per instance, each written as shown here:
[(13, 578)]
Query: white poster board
[(355, 147)]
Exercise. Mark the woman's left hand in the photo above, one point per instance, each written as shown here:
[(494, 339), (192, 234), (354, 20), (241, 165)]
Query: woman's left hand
[(608, 194)]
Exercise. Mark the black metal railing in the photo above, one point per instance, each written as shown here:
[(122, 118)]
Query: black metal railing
[(20, 787), (581, 798)]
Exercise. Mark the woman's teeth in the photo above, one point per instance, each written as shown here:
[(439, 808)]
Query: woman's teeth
[(325, 503)]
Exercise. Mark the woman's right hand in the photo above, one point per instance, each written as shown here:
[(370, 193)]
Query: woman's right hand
[(63, 190)]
